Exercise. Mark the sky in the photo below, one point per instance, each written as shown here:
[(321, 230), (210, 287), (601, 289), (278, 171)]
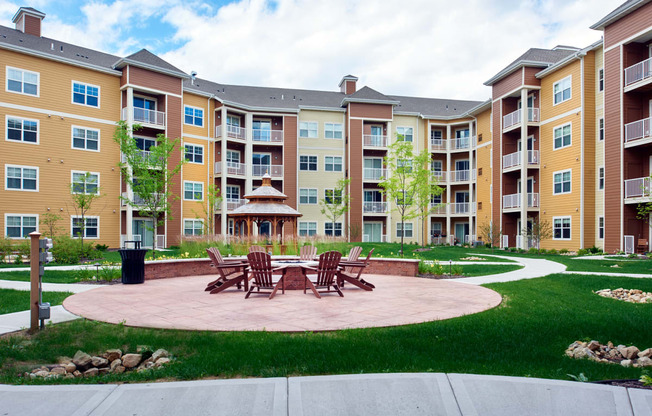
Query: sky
[(423, 48)]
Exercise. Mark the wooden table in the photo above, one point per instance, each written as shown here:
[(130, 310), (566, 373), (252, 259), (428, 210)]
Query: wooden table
[(294, 275)]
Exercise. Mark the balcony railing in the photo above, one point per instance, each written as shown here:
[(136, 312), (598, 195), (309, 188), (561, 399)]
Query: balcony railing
[(438, 209), (461, 175), (440, 175), (462, 143), (438, 144), (366, 238), (374, 207), (267, 136), (374, 174), (637, 130), (512, 201), (137, 199), (514, 159), (638, 72), (275, 171), (232, 168), (637, 188), (232, 204), (462, 208), (233, 132), (374, 140), (144, 116), (514, 117)]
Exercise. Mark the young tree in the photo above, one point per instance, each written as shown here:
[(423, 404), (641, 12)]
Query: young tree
[(149, 174), (426, 186), (213, 203), (84, 190), (49, 222), (491, 233), (336, 202), (538, 231)]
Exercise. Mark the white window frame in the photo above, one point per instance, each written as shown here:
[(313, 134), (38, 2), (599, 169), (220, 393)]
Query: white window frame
[(232, 151), (7, 215), (561, 172), (83, 172), (334, 230), (600, 80), (21, 178), (333, 163), (309, 226), (399, 230), (72, 94), (22, 120), (308, 129), (333, 128), (570, 87), (601, 129), (309, 170), (570, 227), (203, 112), (404, 128), (561, 127), (38, 81), (195, 221), (334, 196), (193, 190), (86, 218), (601, 228), (203, 155), (86, 130), (308, 195), (601, 178)]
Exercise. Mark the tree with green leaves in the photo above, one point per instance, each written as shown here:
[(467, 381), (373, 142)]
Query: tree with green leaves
[(426, 186), (49, 223), (84, 191), (491, 233), (213, 203), (644, 210), (148, 172), (336, 201)]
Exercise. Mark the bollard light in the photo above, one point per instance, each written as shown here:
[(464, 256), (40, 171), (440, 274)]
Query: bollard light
[(450, 268)]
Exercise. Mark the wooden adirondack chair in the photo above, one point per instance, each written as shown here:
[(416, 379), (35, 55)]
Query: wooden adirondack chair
[(262, 272), (307, 253), (326, 273), (642, 246), (256, 249), (232, 272), (353, 256), (351, 273)]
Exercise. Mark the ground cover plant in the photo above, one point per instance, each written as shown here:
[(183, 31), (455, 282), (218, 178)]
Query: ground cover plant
[(18, 300), (525, 336)]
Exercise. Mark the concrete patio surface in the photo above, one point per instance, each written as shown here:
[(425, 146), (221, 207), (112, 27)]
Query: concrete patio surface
[(182, 303), (360, 394)]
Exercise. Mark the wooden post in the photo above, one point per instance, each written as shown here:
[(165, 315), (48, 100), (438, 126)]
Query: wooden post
[(34, 280)]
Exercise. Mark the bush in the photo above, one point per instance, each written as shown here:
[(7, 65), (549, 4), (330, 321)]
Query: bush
[(101, 247), (552, 251), (435, 268), (582, 252), (543, 251), (595, 250), (67, 250), (533, 250), (563, 251)]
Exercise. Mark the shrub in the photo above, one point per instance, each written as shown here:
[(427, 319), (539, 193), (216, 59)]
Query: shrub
[(595, 250), (435, 268), (563, 251), (66, 250), (633, 256), (543, 251), (101, 247), (552, 251), (533, 250), (582, 252), (5, 248)]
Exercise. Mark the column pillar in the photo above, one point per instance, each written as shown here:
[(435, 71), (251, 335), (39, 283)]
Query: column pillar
[(388, 218), (249, 151), (448, 176), (223, 149), (524, 154), (472, 176), (130, 192)]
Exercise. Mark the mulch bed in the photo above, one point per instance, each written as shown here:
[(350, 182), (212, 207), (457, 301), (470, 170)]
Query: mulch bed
[(631, 384), (100, 282)]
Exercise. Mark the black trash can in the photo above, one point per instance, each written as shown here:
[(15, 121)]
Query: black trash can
[(133, 264)]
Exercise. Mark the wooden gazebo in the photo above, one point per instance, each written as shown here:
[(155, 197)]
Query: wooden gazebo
[(265, 204)]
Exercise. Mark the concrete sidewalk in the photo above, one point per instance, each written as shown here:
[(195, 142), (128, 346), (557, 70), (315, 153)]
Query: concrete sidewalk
[(636, 275), (11, 322), (532, 268), (360, 394)]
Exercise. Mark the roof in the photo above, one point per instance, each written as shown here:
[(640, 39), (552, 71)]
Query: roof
[(145, 59), (433, 107), (265, 208), (368, 95), (28, 10), (534, 57), (619, 12)]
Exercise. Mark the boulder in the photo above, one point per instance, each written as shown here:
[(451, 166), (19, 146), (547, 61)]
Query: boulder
[(82, 360), (630, 352), (626, 363), (59, 371), (160, 353), (91, 372), (119, 369), (70, 367), (115, 363), (103, 370), (644, 362), (594, 345), (77, 373), (99, 362), (113, 355), (645, 353), (162, 361), (131, 360), (64, 360)]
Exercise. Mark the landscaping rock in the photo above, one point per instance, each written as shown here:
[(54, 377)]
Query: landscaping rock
[(99, 362), (119, 369), (113, 355), (64, 360), (91, 372), (161, 361), (160, 353), (626, 363), (630, 352), (131, 360), (644, 362), (77, 373), (627, 295), (645, 353), (594, 345), (82, 360), (103, 370), (627, 356), (59, 371), (70, 367), (115, 363)]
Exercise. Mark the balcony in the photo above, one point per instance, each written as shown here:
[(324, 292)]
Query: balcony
[(232, 168), (638, 73), (374, 207), (275, 171), (462, 143), (438, 144), (513, 119), (146, 117), (637, 132), (267, 136), (374, 174), (440, 175), (461, 175), (137, 200), (232, 204), (438, 209), (462, 208), (374, 140), (513, 201), (513, 160), (367, 238), (637, 190), (232, 132)]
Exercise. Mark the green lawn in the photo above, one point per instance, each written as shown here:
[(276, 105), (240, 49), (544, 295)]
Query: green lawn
[(60, 276), (525, 336), (484, 270), (18, 300)]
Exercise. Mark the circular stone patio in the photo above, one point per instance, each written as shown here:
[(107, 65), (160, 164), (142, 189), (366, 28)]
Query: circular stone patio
[(181, 303)]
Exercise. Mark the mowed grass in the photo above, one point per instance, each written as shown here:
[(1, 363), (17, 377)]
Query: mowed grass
[(525, 336), (485, 269), (49, 276), (18, 300)]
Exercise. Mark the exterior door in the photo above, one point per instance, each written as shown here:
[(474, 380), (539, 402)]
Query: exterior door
[(461, 230), (261, 163), (462, 172), (373, 232), (376, 136), (145, 230), (373, 168), (461, 202), (262, 130), (463, 138)]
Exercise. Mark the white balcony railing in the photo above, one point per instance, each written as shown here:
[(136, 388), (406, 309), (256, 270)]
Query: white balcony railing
[(440, 175), (144, 116), (232, 204), (374, 140), (143, 155), (638, 72), (461, 175), (462, 208), (137, 199), (267, 136), (438, 209), (374, 207), (275, 171), (512, 201), (438, 144), (232, 168), (637, 130), (234, 132), (514, 159), (637, 188), (366, 238), (461, 143), (374, 174), (514, 117)]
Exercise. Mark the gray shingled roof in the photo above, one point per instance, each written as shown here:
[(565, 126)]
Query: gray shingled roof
[(534, 57), (620, 11), (366, 94), (433, 106), (266, 192), (147, 58)]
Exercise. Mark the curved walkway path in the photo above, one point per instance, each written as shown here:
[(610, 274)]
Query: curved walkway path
[(532, 268)]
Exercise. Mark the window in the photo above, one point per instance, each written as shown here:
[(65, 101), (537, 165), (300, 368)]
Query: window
[(144, 144), (22, 81), (562, 136), (193, 191), (336, 232), (307, 228), (435, 199), (193, 227), (85, 94), (332, 196), (562, 90), (404, 133), (85, 139), (232, 192), (404, 198), (333, 163), (403, 165), (436, 136), (89, 227), (308, 195), (601, 129), (85, 182), (22, 130), (601, 80), (408, 229), (21, 178), (194, 153), (333, 130), (193, 116), (561, 228), (601, 228), (308, 129), (308, 163), (562, 182), (19, 226), (232, 156), (601, 178)]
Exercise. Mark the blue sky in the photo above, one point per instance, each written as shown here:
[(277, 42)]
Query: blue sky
[(433, 48)]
